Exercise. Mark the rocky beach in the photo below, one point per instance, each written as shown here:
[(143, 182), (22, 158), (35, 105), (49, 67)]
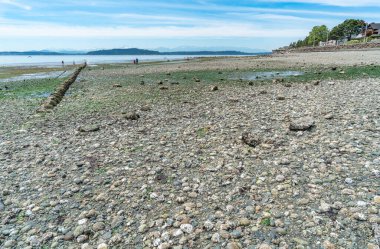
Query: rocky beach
[(196, 154)]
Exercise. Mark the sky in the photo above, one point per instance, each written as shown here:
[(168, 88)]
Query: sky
[(172, 24)]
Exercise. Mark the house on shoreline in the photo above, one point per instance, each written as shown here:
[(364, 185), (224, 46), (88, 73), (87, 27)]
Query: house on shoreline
[(372, 29)]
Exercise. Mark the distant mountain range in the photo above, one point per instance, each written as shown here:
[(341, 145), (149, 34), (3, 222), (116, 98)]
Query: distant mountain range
[(130, 51)]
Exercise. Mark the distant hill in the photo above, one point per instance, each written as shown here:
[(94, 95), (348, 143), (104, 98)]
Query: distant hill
[(136, 51), (128, 51)]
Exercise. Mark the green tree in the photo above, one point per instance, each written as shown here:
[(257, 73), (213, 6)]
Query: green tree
[(347, 29), (317, 34)]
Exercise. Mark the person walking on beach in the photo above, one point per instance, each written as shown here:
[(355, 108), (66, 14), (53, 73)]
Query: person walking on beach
[(137, 61), (63, 64)]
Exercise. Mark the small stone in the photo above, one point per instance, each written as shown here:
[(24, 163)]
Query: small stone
[(208, 225), (349, 181), (215, 238), (360, 216), (9, 244), (98, 226), (233, 245), (102, 246), (324, 207), (302, 124), (376, 199), (244, 222), (82, 238), (280, 98), (280, 178), (117, 85), (187, 228), (177, 233), (82, 221), (79, 230), (264, 246), (164, 245), (300, 241), (236, 234), (86, 246), (214, 88), (328, 245)]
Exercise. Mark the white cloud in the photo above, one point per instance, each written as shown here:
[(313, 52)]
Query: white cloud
[(212, 31), (341, 3), (16, 4)]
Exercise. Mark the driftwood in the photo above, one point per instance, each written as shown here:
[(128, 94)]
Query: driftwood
[(55, 98)]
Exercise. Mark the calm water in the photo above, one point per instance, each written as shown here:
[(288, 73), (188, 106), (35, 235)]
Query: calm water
[(56, 60)]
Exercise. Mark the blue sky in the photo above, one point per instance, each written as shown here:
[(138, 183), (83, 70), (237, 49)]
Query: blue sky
[(214, 24)]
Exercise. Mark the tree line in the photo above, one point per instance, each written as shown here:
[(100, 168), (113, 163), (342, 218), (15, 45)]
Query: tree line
[(344, 30)]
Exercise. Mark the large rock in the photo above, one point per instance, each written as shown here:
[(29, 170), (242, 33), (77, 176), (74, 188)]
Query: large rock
[(302, 124)]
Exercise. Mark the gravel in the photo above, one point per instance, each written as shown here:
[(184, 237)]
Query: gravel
[(181, 175)]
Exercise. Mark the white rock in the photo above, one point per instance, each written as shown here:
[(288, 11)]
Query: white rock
[(187, 228)]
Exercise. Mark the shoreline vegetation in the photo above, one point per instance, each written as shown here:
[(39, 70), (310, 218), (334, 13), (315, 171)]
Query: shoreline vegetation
[(350, 34)]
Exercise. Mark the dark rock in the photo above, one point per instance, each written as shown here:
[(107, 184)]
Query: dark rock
[(132, 116), (250, 139), (89, 128), (2, 206), (214, 88), (117, 85)]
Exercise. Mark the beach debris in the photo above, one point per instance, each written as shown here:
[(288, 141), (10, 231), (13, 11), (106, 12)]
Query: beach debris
[(302, 124), (214, 88), (117, 85), (197, 80), (164, 88), (280, 97), (251, 139)]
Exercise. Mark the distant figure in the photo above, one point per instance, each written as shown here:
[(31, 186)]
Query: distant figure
[(134, 61), (63, 64), (74, 63), (137, 61)]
